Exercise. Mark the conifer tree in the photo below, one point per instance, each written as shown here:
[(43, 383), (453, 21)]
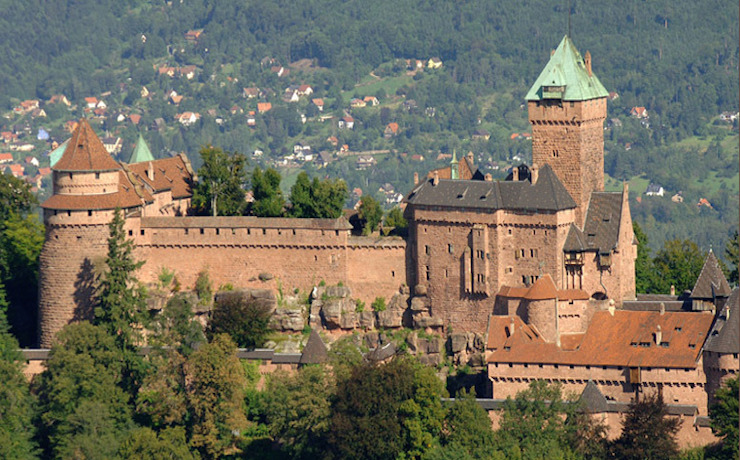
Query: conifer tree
[(122, 298)]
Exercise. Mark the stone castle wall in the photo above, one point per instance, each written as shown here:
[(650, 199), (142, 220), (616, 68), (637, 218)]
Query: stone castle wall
[(268, 253), (462, 258), (569, 136)]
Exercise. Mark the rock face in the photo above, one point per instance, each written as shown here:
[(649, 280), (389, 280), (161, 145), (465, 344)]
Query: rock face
[(288, 319)]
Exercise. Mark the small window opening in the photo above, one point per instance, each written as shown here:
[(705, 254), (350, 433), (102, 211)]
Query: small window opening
[(89, 213), (142, 231), (202, 231), (97, 175), (131, 233)]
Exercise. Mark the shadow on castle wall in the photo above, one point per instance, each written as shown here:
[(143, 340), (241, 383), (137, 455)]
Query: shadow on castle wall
[(85, 287)]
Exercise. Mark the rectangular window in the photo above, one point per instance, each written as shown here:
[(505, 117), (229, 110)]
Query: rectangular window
[(142, 231), (450, 249), (89, 213), (97, 175), (186, 231), (427, 270), (202, 231), (427, 250)]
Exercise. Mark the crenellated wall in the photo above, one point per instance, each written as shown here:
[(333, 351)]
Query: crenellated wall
[(292, 253)]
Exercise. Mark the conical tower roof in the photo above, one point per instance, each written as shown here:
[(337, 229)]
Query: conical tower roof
[(141, 152), (85, 152), (542, 289), (315, 351), (566, 77), (711, 282)]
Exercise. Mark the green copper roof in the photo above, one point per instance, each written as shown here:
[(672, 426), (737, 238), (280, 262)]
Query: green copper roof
[(565, 77), (57, 153), (141, 152)]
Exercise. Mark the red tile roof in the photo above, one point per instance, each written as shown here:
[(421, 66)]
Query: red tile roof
[(85, 152), (625, 339), (543, 288), (168, 174)]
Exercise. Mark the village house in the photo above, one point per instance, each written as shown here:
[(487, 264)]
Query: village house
[(364, 162), (391, 130), (319, 103), (251, 92), (187, 118), (263, 107), (434, 63), (654, 190), (346, 122), (639, 112), (356, 103), (193, 35), (372, 100)]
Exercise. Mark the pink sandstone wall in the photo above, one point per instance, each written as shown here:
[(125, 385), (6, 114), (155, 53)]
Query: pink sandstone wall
[(238, 250), (570, 138), (519, 247)]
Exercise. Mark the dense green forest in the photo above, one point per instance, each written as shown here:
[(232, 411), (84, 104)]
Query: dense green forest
[(679, 60)]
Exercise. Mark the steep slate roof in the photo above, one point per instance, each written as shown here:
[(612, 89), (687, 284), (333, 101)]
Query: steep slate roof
[(547, 194), (315, 351), (592, 400), (602, 221), (567, 68), (85, 152), (624, 339), (711, 281), (725, 335), (141, 152), (575, 241)]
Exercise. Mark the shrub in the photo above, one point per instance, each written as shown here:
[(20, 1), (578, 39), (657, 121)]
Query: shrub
[(378, 304), (246, 321), (166, 276), (203, 287), (226, 287), (360, 306)]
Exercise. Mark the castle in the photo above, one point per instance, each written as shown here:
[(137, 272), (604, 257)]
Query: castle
[(542, 263)]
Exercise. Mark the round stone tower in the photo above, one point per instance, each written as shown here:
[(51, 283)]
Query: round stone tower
[(567, 109), (87, 189)]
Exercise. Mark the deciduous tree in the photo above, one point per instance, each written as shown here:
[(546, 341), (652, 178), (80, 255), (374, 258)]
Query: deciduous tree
[(247, 321), (268, 198), (221, 180), (371, 213), (647, 432)]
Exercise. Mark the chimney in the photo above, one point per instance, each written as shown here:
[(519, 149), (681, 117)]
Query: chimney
[(488, 177), (511, 327), (587, 60), (658, 335), (673, 290), (471, 158), (435, 179), (534, 173), (662, 309), (515, 173), (150, 171), (416, 178)]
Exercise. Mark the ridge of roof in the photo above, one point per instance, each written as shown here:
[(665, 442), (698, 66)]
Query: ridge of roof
[(566, 68), (711, 281), (141, 152), (85, 152)]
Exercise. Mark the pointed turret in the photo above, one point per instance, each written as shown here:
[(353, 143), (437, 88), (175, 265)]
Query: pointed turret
[(567, 77), (85, 152), (141, 152)]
